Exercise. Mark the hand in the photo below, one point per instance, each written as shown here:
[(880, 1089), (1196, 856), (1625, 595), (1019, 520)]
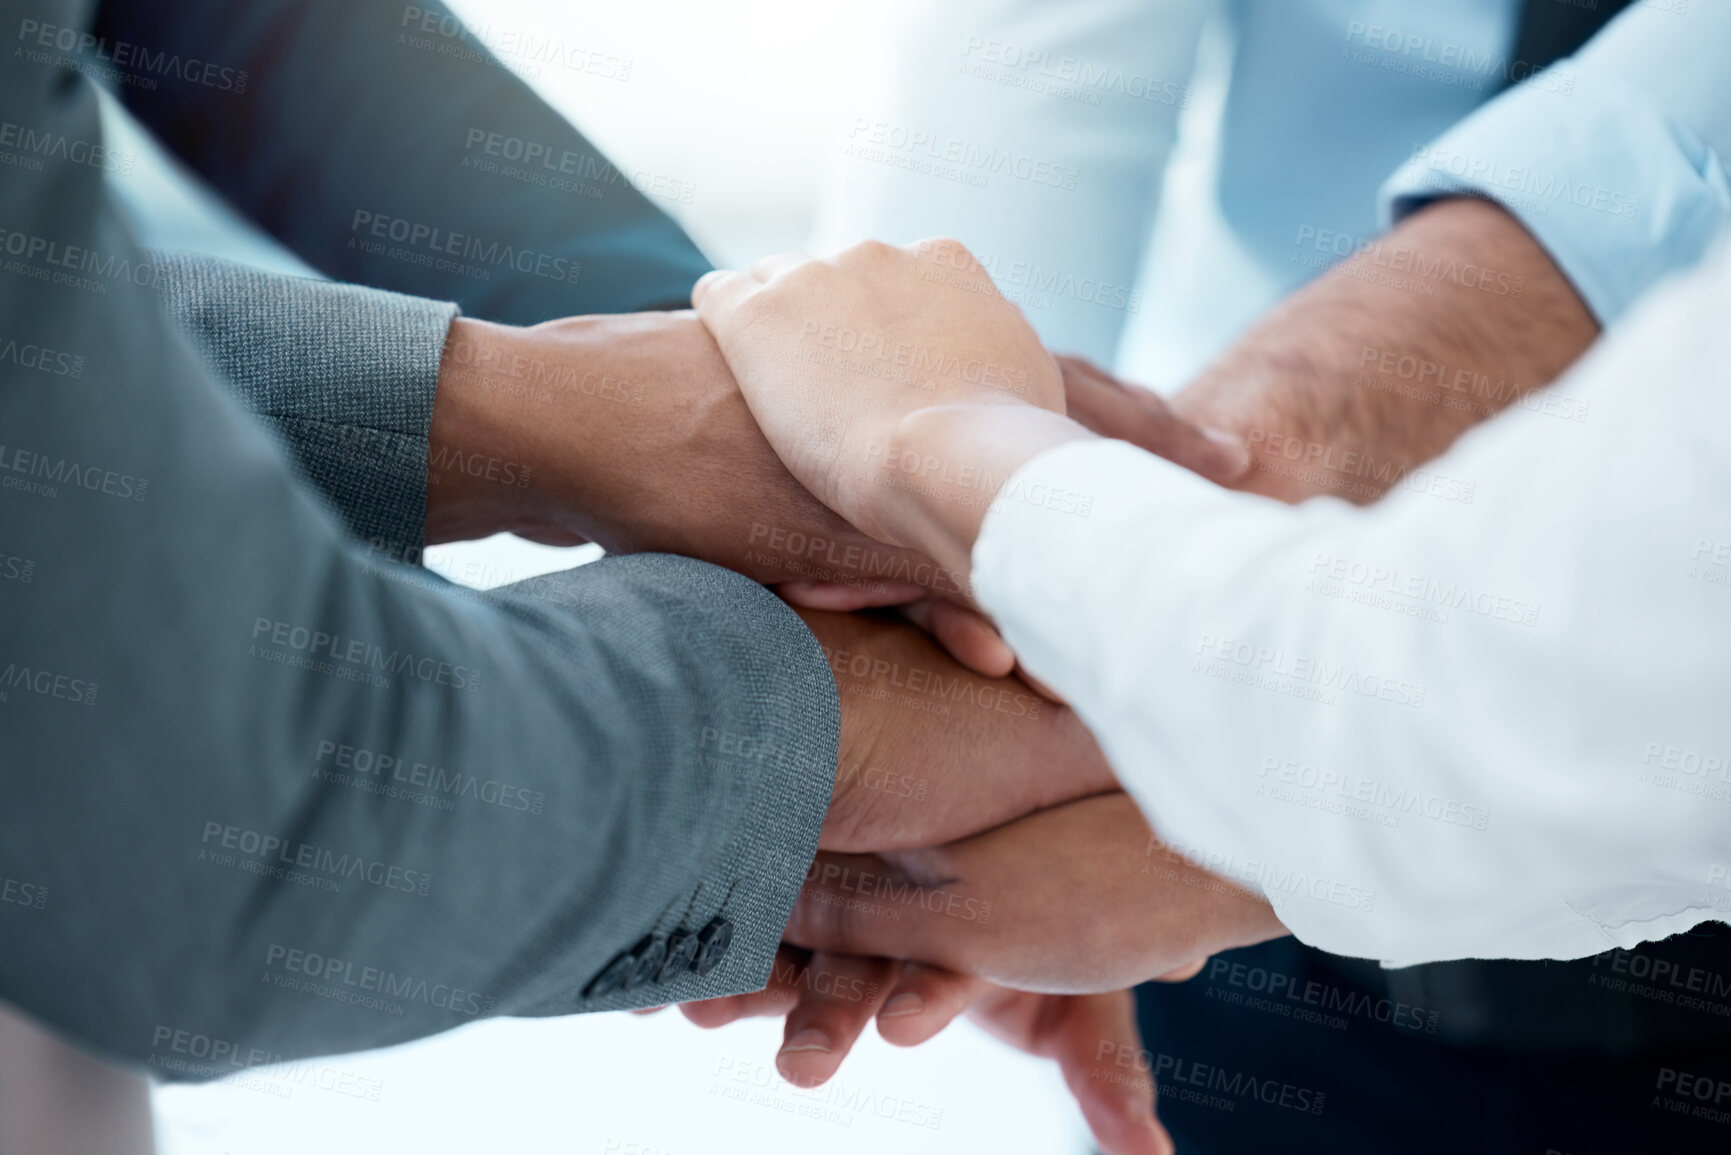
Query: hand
[(901, 399), (1074, 900), (1106, 406), (1351, 383), (967, 635), (931, 752), (828, 999), (629, 431)]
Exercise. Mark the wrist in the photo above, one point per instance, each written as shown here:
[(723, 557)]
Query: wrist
[(1378, 365), (481, 468), (944, 465)]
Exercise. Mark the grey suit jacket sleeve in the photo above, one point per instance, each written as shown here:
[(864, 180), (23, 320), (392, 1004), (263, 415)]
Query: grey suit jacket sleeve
[(264, 798), (345, 375), (385, 144)]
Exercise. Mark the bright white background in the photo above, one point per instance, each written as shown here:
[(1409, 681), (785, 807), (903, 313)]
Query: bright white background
[(741, 98)]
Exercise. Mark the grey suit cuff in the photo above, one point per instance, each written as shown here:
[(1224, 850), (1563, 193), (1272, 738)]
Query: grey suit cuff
[(345, 375), (736, 820)]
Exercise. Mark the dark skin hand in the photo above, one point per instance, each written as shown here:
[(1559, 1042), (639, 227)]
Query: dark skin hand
[(629, 431), (1079, 898), (931, 751), (828, 1000)]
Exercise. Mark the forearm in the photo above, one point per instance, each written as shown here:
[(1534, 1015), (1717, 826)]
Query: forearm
[(343, 758), (1369, 371), (629, 431)]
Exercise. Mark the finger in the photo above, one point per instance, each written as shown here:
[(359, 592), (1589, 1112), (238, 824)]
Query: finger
[(1095, 397), (769, 267), (1091, 396), (925, 1000), (840, 995), (969, 637), (1183, 973), (1148, 422), (1126, 413), (1088, 1041), (845, 598), (776, 998)]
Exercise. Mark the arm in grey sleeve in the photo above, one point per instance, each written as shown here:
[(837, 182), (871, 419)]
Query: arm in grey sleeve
[(344, 374), (372, 138), (263, 799)]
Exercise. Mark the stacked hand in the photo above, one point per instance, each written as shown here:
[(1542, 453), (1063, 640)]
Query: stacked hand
[(1079, 900), (904, 403), (932, 752), (1005, 869), (839, 429), (817, 472)]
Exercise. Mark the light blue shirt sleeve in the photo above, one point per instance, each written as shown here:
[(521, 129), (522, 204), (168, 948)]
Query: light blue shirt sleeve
[(1613, 159)]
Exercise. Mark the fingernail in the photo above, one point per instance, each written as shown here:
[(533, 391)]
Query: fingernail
[(908, 1004), (1221, 437), (1232, 442), (809, 1039)]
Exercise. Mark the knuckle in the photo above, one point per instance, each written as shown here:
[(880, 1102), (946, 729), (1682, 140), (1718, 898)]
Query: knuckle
[(871, 250), (950, 252)]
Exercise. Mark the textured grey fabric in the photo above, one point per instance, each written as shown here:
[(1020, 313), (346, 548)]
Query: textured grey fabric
[(264, 795), (352, 406)]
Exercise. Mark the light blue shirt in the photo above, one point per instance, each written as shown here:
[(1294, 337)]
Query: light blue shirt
[(1146, 177)]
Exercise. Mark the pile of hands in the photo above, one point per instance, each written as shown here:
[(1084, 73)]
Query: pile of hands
[(980, 860), (822, 426)]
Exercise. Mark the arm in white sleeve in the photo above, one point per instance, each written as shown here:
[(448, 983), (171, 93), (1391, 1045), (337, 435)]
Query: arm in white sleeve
[(1037, 134), (1614, 159), (1486, 717)]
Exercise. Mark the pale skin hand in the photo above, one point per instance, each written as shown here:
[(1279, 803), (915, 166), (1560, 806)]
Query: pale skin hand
[(857, 366), (1099, 402), (831, 355), (1298, 374)]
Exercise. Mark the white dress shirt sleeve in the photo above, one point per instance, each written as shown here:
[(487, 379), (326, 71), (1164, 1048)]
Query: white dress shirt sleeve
[(1614, 159), (1035, 133), (1488, 716)]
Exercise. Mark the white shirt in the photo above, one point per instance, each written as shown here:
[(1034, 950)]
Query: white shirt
[(1488, 716), (1049, 138)]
